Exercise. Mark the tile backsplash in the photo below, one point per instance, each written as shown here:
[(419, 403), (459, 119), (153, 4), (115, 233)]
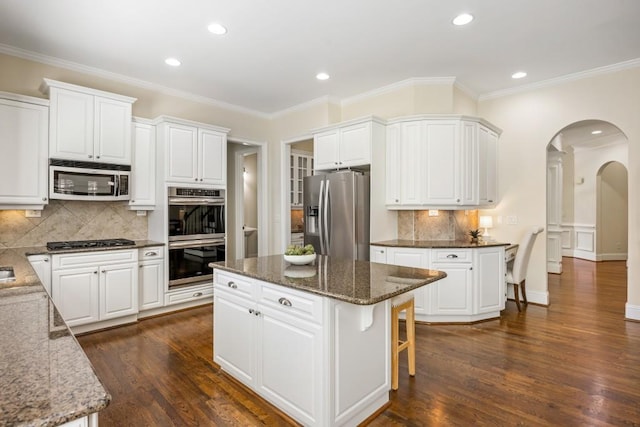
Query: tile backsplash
[(448, 225), (71, 220)]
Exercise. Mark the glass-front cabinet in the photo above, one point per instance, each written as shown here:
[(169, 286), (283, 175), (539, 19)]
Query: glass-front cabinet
[(300, 165)]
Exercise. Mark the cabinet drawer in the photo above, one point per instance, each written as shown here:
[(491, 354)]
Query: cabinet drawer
[(299, 304), (93, 258), (153, 252), (451, 255), (234, 284), (190, 294)]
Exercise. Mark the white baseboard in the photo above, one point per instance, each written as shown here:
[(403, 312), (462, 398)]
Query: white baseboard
[(589, 256), (538, 297), (632, 312), (612, 257), (554, 267)]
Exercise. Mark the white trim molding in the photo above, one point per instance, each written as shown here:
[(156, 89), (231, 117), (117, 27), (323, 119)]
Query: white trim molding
[(411, 82), (632, 312)]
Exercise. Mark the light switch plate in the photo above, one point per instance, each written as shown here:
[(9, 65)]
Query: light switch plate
[(512, 219), (32, 214), (433, 212), (141, 213)]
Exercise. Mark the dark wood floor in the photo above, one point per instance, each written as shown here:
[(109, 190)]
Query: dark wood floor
[(575, 363)]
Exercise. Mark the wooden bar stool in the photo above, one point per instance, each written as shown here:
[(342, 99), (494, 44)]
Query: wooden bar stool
[(404, 302)]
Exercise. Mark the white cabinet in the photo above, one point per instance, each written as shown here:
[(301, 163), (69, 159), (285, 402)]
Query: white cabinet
[(151, 277), (193, 152), (88, 125), (143, 167), (300, 165), (91, 287), (346, 145), (444, 163), (473, 289), (42, 267), (24, 128)]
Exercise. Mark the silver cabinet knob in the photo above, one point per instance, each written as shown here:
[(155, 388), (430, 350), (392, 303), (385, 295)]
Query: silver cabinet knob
[(451, 256), (151, 253), (91, 156), (197, 294), (97, 157), (285, 302), (232, 285), (44, 199), (196, 179)]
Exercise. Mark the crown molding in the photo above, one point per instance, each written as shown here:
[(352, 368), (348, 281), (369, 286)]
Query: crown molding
[(633, 63), (74, 66), (327, 99), (466, 89), (411, 82)]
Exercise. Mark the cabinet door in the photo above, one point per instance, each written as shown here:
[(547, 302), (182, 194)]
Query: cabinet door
[(71, 125), (325, 150), (151, 284), (181, 153), (354, 148), (290, 358), (393, 169), (489, 280), (234, 336), (75, 292), (471, 163), (442, 163), (143, 169), (24, 130), (212, 157), (453, 294), (112, 131), (118, 290), (488, 167), (413, 257), (412, 162)]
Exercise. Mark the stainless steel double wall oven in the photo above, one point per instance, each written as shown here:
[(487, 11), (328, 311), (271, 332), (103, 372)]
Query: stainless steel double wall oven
[(196, 220)]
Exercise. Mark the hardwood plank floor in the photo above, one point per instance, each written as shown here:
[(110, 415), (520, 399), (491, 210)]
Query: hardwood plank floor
[(574, 363)]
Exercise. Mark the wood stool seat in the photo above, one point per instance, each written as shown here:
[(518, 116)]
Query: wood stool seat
[(399, 304)]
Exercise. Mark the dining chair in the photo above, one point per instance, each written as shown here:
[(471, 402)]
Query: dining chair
[(517, 274)]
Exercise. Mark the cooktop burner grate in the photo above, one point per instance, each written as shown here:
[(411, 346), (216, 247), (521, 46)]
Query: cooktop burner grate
[(79, 244)]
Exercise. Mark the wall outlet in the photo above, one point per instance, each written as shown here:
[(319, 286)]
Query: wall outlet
[(32, 214), (433, 212), (141, 213), (512, 219)]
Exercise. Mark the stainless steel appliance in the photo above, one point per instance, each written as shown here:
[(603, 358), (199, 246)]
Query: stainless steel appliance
[(87, 244), (336, 214), (72, 180), (196, 228)]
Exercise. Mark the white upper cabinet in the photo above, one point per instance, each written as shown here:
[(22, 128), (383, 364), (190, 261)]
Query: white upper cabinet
[(87, 124), (347, 144), (143, 166), (448, 162), (24, 126), (193, 152)]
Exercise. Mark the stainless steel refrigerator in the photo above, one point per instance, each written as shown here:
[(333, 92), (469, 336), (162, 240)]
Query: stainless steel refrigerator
[(336, 214)]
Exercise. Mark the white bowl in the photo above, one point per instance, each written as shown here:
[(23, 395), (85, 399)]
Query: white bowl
[(300, 259), (299, 271)]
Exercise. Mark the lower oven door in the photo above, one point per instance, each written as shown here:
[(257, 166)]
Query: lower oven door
[(189, 261)]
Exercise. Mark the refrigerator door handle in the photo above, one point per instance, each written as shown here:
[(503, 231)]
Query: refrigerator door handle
[(327, 237), (320, 209)]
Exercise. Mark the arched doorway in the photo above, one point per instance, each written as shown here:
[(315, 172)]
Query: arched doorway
[(584, 196)]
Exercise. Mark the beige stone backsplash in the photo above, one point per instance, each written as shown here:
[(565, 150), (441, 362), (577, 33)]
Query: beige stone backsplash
[(71, 220), (448, 225)]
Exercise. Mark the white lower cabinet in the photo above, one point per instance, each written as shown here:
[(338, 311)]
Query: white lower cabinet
[(306, 354), (92, 287), (151, 278), (473, 289)]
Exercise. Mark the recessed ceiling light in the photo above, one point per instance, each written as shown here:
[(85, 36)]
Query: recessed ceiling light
[(596, 132), (322, 76), (462, 19), (217, 29), (518, 75), (172, 61)]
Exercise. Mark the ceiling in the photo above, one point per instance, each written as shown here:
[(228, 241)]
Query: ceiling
[(268, 60)]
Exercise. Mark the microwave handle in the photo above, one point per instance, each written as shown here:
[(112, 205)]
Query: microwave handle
[(116, 188)]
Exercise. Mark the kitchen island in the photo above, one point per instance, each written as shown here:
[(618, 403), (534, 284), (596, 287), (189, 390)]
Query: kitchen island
[(312, 340)]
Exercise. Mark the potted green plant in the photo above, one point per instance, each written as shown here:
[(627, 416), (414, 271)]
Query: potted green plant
[(475, 235)]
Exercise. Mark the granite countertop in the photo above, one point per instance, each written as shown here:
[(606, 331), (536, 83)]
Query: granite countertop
[(436, 244), (42, 250), (356, 282), (46, 377)]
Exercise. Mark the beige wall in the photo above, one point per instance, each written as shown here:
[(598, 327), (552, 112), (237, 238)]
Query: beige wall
[(612, 207), (529, 121), (251, 201)]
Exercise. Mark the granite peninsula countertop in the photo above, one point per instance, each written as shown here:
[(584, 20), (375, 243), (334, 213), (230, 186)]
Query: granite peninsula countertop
[(46, 379), (436, 244), (355, 282)]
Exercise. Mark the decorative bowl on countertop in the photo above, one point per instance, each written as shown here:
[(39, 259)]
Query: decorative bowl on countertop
[(300, 259)]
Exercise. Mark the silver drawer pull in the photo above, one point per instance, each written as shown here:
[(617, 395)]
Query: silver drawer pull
[(197, 294), (450, 256), (151, 254), (285, 301), (232, 285)]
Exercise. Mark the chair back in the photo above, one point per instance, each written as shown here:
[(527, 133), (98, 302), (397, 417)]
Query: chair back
[(521, 262)]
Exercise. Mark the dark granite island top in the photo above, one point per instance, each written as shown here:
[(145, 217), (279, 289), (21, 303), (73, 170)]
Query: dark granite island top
[(437, 244), (45, 376), (355, 282)]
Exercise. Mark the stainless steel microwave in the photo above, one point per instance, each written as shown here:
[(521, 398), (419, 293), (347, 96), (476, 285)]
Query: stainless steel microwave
[(72, 180)]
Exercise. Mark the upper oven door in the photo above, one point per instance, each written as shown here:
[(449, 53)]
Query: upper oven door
[(196, 218)]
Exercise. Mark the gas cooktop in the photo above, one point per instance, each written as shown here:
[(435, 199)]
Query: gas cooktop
[(79, 244)]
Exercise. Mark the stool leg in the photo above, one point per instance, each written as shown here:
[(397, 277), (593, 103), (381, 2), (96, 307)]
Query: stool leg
[(516, 296), (394, 348), (411, 338), (524, 292)]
